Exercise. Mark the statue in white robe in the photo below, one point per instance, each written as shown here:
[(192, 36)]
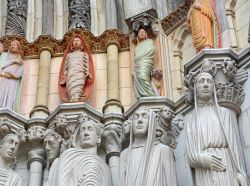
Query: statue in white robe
[(10, 77), (146, 162), (82, 166), (8, 148), (213, 146)]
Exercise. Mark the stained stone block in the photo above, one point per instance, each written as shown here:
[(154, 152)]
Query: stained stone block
[(135, 7)]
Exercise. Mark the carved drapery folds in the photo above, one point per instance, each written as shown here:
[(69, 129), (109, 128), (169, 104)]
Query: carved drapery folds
[(16, 17), (79, 14), (228, 82)]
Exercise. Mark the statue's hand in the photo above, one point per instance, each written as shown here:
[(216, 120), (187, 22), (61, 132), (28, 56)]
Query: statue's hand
[(212, 162), (7, 75), (242, 179)]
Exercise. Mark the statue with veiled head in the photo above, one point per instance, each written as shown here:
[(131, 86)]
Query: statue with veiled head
[(213, 149)]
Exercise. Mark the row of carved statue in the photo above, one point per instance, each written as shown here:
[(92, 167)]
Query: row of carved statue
[(212, 146)]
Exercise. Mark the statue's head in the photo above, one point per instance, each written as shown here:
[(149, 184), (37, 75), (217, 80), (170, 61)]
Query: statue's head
[(8, 147), (142, 34), (204, 86), (52, 144), (15, 46), (77, 43), (1, 48), (166, 113), (90, 134), (126, 126), (140, 122)]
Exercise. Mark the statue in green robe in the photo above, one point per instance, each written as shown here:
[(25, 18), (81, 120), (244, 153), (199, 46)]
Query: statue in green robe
[(144, 62)]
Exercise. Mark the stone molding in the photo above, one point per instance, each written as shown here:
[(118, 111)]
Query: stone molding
[(175, 18), (97, 44)]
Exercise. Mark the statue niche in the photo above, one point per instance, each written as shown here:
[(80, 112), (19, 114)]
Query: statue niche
[(213, 146), (76, 76), (146, 161), (204, 25)]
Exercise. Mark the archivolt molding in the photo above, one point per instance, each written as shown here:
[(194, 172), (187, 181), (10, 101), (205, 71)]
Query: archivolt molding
[(57, 47), (175, 18), (180, 36)]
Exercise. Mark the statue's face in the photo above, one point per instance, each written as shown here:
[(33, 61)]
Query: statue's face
[(140, 123), (88, 135), (1, 48), (142, 34), (77, 43), (9, 147), (166, 113), (52, 148), (14, 47), (204, 87), (126, 126)]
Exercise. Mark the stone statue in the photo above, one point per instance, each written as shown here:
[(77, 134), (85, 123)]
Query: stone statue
[(10, 78), (8, 147), (213, 146), (204, 25), (146, 161), (5, 127), (3, 55), (156, 81), (170, 125), (144, 62), (54, 145), (79, 14), (16, 17), (76, 75), (81, 165)]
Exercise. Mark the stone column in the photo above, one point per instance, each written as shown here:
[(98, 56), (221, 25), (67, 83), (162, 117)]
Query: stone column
[(176, 73), (113, 76), (113, 111), (59, 26), (41, 110), (101, 16), (38, 19), (36, 156)]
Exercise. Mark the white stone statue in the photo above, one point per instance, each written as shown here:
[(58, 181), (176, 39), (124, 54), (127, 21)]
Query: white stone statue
[(10, 77), (146, 162), (81, 165), (54, 145), (213, 146), (8, 147)]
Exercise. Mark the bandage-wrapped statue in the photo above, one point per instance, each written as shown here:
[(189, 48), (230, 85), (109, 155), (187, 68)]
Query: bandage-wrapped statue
[(76, 77)]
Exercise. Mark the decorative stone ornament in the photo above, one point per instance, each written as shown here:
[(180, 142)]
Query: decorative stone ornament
[(16, 17)]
